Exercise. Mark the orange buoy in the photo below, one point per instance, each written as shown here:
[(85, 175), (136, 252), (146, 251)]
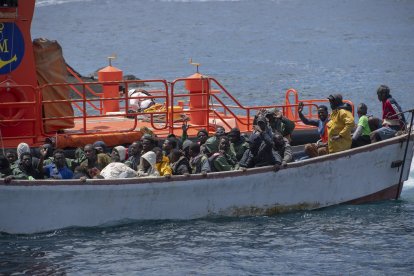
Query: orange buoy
[(198, 86), (110, 73)]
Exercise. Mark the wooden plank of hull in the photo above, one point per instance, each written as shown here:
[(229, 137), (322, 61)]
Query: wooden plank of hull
[(356, 176)]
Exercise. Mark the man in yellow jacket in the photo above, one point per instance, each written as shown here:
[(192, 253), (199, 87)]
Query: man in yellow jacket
[(340, 126)]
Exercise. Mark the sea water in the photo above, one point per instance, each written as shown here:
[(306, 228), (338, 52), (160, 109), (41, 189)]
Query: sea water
[(257, 49)]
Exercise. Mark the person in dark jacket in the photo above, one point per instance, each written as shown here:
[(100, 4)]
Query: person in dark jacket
[(259, 154), (224, 159), (199, 161), (283, 148), (238, 143), (25, 170), (179, 163)]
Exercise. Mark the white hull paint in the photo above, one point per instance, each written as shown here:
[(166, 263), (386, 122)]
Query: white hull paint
[(358, 175)]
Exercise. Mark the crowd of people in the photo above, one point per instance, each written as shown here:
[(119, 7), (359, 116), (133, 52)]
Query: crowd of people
[(267, 145)]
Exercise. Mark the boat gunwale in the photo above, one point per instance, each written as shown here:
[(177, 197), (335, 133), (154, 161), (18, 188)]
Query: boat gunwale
[(213, 175)]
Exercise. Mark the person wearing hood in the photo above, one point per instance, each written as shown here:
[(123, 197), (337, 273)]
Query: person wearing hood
[(147, 165), (340, 125), (212, 144), (279, 123), (260, 153), (179, 163), (118, 154), (24, 148), (392, 118)]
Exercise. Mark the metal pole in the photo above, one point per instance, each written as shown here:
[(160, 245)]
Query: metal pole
[(405, 155)]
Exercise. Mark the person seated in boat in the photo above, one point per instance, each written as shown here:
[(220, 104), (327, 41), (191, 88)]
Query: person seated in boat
[(24, 148), (147, 164), (58, 169), (392, 118), (25, 169), (48, 158), (323, 119), (224, 159), (94, 162), (362, 133), (179, 163), (282, 147), (163, 162), (168, 145), (260, 153), (238, 144), (101, 147), (198, 160), (339, 126), (148, 143), (139, 105), (11, 156), (279, 123), (211, 146), (202, 136), (5, 169), (118, 154), (134, 150)]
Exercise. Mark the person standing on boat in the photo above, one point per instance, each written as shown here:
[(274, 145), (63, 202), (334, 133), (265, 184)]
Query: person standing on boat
[(392, 118), (58, 169), (198, 160), (94, 162), (135, 150), (238, 144), (362, 133), (323, 119), (339, 126)]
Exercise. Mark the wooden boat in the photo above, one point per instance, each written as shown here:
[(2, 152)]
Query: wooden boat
[(32, 109), (370, 173)]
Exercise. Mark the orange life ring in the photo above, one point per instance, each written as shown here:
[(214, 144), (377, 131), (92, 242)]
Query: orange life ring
[(12, 95)]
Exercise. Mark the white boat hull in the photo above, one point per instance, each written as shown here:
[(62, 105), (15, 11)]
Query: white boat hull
[(360, 175)]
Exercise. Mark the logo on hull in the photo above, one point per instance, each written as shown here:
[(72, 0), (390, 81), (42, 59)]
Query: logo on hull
[(11, 47)]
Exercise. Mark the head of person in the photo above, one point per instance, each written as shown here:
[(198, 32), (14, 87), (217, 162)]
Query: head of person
[(383, 93), (100, 146), (169, 144), (311, 150), (147, 142), (202, 136), (22, 148), (194, 150), (278, 140), (59, 158), (118, 154), (269, 115), (90, 152), (49, 150), (335, 101), (26, 160), (220, 132), (11, 156), (135, 148), (4, 165), (362, 109), (234, 135), (148, 159), (224, 144), (158, 154), (186, 148), (322, 112)]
